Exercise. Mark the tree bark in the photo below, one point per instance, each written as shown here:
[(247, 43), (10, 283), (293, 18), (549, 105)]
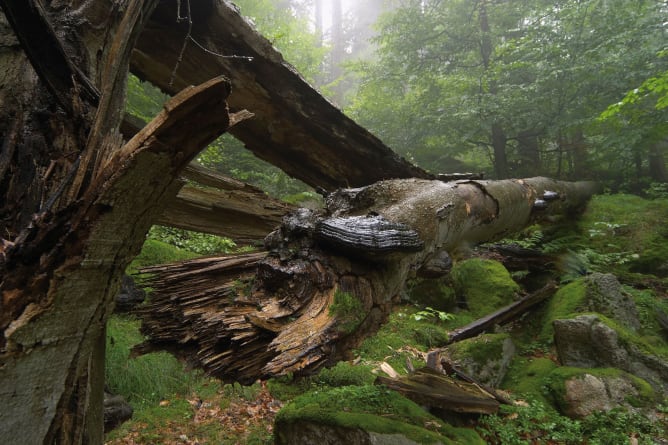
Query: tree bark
[(294, 127), (76, 203), (227, 207), (267, 314)]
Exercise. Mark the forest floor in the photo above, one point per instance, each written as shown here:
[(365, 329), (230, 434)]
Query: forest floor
[(621, 234)]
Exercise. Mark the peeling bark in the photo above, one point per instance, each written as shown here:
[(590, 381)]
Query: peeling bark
[(274, 316)]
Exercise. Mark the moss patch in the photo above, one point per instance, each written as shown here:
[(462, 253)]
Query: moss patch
[(156, 252), (485, 284), (373, 408), (348, 309), (568, 300), (526, 378), (392, 343)]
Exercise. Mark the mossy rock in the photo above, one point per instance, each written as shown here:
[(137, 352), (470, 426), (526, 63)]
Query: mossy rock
[(485, 357), (486, 285), (525, 378), (580, 392), (601, 293), (593, 340), (349, 410)]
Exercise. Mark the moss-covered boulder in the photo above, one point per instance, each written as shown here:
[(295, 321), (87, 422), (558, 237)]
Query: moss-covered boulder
[(363, 415), (600, 293), (485, 357), (593, 340), (581, 392), (485, 285)]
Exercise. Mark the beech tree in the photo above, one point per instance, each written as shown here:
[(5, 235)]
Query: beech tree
[(78, 196)]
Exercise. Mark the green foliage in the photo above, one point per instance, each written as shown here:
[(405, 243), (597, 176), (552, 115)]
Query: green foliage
[(540, 72), (485, 284), (136, 379), (348, 309), (157, 252), (197, 242), (432, 314), (536, 424)]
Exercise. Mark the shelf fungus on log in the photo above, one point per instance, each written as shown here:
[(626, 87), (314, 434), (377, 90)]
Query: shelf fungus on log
[(368, 235)]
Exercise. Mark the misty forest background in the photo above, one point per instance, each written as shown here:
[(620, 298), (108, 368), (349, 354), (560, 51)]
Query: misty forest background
[(574, 89)]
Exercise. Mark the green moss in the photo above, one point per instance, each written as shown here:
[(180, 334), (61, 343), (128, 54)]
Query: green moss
[(348, 309), (632, 339), (556, 383), (401, 331), (156, 252), (373, 408), (482, 348), (435, 293), (568, 300), (485, 284), (344, 374), (526, 378)]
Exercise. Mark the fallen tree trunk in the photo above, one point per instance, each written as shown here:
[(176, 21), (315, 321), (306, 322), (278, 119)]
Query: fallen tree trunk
[(294, 128), (330, 279)]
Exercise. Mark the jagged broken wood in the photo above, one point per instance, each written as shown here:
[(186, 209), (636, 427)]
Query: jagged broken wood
[(271, 313), (431, 388)]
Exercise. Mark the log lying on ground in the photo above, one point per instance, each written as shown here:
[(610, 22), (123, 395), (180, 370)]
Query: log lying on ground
[(502, 316), (294, 127), (330, 279), (431, 388)]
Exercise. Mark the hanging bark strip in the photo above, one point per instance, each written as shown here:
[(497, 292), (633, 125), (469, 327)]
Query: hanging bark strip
[(330, 279)]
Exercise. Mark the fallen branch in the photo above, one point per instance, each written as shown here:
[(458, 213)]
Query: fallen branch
[(501, 316)]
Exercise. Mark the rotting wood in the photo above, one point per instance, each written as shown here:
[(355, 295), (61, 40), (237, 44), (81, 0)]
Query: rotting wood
[(431, 388), (226, 207), (273, 318), (294, 128)]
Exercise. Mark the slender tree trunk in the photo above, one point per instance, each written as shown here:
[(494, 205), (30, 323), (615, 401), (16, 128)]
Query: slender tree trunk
[(337, 54), (498, 136), (657, 161)]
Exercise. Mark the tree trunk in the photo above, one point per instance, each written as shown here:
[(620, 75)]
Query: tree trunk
[(226, 207), (657, 161), (294, 128), (75, 202), (330, 279)]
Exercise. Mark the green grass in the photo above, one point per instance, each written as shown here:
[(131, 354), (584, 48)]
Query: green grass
[(146, 379)]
